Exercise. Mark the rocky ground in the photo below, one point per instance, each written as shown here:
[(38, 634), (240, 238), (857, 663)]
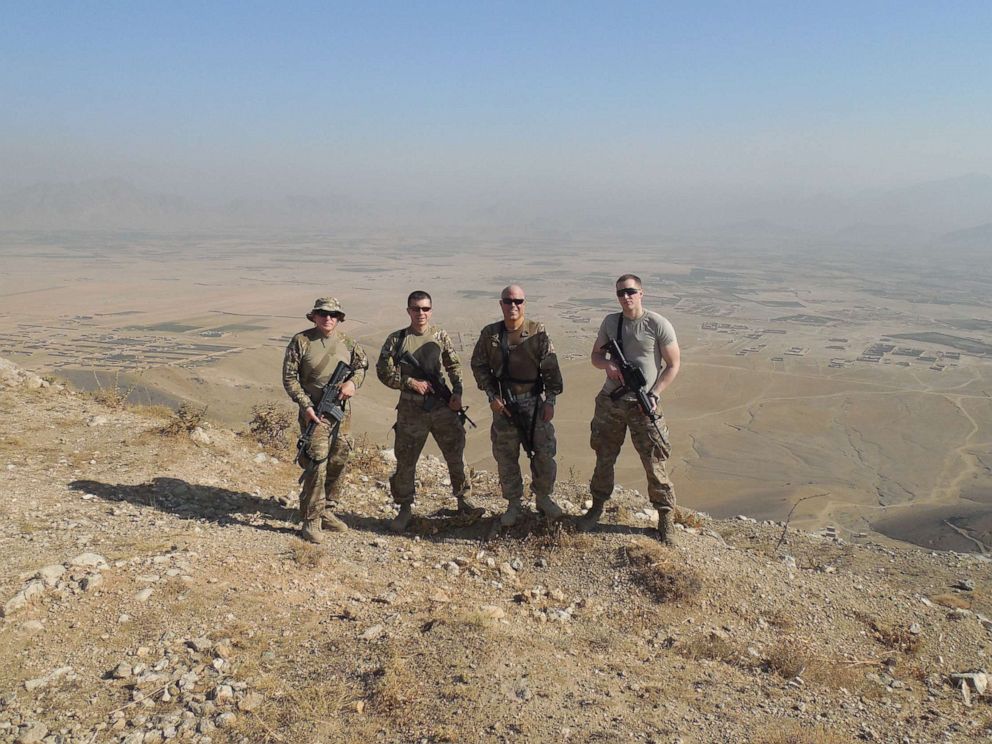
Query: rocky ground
[(153, 589)]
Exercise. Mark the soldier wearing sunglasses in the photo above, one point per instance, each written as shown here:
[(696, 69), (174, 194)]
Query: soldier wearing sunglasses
[(421, 411), (515, 364), (647, 341), (308, 365)]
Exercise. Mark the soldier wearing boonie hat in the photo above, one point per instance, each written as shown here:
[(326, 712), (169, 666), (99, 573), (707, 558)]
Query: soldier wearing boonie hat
[(310, 359), (326, 305)]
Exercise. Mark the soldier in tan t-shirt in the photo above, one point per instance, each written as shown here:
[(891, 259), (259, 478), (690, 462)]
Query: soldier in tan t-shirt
[(648, 342)]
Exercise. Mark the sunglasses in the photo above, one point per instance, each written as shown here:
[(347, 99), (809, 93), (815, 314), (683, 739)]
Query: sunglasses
[(325, 313), (419, 309), (627, 291), (513, 301)]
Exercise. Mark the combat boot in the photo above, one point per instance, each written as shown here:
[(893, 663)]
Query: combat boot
[(514, 511), (587, 522), (329, 521), (402, 520), (311, 532), (547, 506), (666, 526), (467, 509)]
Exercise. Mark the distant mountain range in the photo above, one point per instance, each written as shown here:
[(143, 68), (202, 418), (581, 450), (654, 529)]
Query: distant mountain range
[(956, 211)]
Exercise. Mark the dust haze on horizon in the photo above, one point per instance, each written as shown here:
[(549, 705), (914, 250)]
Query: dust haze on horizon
[(638, 118)]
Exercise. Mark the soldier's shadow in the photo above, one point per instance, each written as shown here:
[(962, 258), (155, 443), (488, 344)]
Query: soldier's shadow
[(194, 501), (437, 526)]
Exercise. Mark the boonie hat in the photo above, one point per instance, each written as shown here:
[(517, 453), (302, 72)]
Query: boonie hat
[(327, 304)]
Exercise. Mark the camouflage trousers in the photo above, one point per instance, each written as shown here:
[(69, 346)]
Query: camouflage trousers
[(507, 441), (608, 430), (323, 467), (413, 424)]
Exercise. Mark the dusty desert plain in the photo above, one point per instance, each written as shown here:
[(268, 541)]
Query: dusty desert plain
[(853, 385)]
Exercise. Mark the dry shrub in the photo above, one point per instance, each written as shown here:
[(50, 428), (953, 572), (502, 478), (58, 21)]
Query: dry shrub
[(788, 658), (898, 638), (269, 425), (687, 517), (113, 396), (788, 732), (366, 458), (185, 420), (659, 575), (892, 635), (306, 555), (954, 601)]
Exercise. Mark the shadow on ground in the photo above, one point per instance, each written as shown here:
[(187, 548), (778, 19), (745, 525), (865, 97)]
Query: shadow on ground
[(447, 523), (193, 501)]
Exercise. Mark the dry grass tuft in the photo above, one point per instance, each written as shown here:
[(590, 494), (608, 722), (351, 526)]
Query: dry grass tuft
[(793, 733), (310, 711), (393, 686), (954, 601), (185, 420), (781, 619), (557, 537), (788, 658), (153, 411), (663, 578), (306, 555), (836, 674), (716, 648)]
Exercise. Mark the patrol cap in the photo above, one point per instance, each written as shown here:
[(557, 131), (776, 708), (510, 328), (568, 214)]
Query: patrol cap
[(327, 304)]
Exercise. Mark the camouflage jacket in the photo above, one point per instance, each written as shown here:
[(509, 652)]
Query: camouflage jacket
[(432, 349), (534, 357), (310, 361)]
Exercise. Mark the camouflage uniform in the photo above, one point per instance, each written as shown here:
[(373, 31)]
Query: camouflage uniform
[(609, 428), (418, 415), (307, 366), (533, 366)]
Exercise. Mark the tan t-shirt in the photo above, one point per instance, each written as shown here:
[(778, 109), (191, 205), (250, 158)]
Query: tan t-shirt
[(642, 341)]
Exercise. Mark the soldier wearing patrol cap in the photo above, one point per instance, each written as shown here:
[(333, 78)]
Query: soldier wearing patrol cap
[(408, 355), (515, 364), (307, 367)]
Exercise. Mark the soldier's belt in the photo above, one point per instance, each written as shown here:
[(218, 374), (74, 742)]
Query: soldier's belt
[(529, 395)]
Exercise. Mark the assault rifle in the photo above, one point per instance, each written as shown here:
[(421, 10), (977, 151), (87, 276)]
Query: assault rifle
[(438, 385), (524, 422), (633, 381), (330, 410)]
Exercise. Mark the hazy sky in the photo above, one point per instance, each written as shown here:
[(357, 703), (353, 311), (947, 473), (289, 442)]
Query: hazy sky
[(538, 99)]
